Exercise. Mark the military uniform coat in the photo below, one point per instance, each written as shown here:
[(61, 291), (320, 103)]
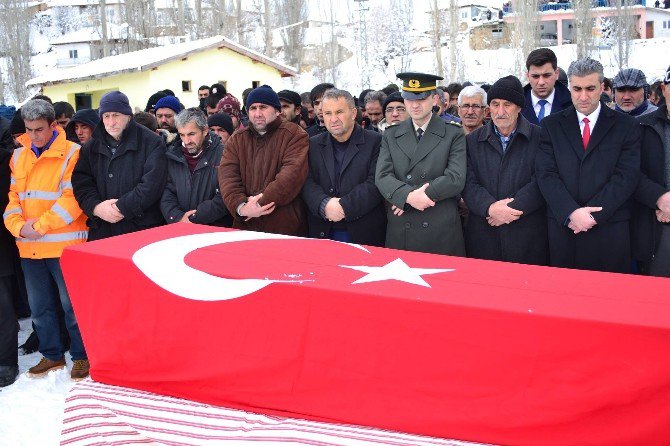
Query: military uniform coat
[(405, 165), (606, 174)]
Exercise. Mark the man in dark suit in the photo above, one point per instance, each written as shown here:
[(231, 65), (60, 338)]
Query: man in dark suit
[(421, 172), (543, 94), (587, 169), (340, 191)]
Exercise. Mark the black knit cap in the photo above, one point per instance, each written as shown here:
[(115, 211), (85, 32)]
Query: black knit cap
[(115, 101), (263, 95), (508, 88), (393, 97), (153, 99), (222, 120), (85, 116)]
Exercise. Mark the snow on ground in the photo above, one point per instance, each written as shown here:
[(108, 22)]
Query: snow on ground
[(31, 410)]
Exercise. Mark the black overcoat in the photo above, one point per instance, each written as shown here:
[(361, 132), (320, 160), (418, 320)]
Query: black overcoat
[(359, 197), (200, 191), (605, 174), (645, 228), (135, 175), (494, 175)]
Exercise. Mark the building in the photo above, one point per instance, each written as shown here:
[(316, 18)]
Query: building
[(181, 67), (556, 25), (85, 45)]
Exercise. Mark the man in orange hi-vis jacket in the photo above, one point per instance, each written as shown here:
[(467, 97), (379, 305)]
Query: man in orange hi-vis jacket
[(44, 216)]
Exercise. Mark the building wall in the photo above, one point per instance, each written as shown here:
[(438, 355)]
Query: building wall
[(661, 21), (204, 68), (63, 53)]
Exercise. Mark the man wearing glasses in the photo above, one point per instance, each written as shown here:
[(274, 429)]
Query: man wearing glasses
[(472, 108), (395, 111)]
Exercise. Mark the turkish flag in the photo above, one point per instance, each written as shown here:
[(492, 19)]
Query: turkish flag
[(436, 345)]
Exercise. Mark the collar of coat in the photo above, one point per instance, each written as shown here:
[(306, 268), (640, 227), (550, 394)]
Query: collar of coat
[(523, 127), (269, 129)]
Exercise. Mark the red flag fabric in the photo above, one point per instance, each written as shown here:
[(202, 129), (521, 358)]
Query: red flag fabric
[(420, 343)]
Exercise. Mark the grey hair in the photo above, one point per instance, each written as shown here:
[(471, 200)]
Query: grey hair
[(38, 109), (194, 115), (470, 91), (336, 94), (375, 96), (584, 67)]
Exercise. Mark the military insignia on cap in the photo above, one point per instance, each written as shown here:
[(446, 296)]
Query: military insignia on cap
[(414, 83)]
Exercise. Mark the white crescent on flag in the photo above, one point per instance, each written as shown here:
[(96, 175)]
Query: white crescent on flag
[(163, 263)]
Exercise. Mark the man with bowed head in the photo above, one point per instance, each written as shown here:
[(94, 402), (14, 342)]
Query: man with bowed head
[(263, 168), (587, 169), (118, 181)]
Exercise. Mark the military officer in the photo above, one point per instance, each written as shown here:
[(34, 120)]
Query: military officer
[(421, 172)]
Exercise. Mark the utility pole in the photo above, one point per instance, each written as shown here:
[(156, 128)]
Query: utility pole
[(363, 42), (103, 27)]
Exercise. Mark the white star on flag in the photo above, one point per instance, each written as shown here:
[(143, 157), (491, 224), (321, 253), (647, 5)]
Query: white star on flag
[(395, 270)]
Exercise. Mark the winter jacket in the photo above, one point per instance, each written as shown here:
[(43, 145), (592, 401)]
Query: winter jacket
[(645, 228), (199, 191), (40, 188), (274, 164), (562, 100), (494, 175), (135, 175)]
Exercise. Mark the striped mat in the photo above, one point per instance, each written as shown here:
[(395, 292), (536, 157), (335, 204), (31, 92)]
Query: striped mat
[(100, 414)]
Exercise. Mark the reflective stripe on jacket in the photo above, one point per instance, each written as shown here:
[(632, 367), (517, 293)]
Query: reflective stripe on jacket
[(40, 189)]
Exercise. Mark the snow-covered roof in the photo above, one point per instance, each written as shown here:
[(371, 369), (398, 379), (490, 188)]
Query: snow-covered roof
[(90, 34), (147, 59)]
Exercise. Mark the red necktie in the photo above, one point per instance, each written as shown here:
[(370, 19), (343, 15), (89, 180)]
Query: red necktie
[(586, 135)]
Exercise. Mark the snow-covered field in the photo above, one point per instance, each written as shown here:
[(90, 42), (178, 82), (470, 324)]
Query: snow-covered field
[(31, 410)]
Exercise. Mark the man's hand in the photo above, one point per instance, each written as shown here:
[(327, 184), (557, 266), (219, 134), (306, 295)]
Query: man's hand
[(462, 208), (663, 203), (581, 219), (662, 217), (397, 211), (418, 198), (333, 210), (187, 214), (251, 209), (501, 214), (108, 211), (27, 231)]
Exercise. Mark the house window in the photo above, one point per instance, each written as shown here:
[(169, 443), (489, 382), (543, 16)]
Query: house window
[(73, 54), (186, 86)]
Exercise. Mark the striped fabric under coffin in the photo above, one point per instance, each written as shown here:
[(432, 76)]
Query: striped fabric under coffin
[(97, 414)]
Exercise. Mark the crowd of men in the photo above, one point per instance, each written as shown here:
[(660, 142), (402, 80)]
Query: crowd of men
[(572, 170)]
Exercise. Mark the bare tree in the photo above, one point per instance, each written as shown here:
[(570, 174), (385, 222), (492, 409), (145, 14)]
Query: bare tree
[(389, 42), (292, 16), (103, 28), (625, 32), (583, 28), (456, 66), (525, 37), (141, 20), (435, 22), (15, 17), (2, 87), (266, 23)]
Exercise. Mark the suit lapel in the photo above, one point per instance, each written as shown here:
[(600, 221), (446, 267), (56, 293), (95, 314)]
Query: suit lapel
[(603, 126), (357, 138), (329, 158), (431, 138), (405, 138), (572, 132)]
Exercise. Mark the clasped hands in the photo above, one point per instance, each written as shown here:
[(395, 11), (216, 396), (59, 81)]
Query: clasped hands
[(252, 209), (663, 211), (581, 219), (108, 211), (501, 214), (418, 199), (333, 210)]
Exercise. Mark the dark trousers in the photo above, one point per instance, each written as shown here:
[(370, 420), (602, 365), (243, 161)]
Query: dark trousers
[(46, 291), (8, 327)]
